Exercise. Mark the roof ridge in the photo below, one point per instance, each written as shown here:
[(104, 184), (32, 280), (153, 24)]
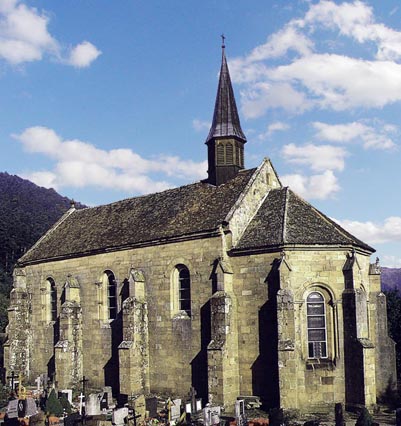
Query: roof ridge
[(285, 212), (67, 214)]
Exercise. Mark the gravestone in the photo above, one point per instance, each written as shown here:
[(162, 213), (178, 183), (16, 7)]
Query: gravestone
[(93, 404), (38, 382), (240, 416), (175, 410), (12, 409), (119, 417), (104, 403), (68, 394), (151, 406), (139, 406), (21, 407), (43, 380), (339, 416), (31, 407), (398, 416), (108, 390), (211, 415)]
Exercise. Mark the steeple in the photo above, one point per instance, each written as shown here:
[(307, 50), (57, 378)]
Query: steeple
[(225, 140)]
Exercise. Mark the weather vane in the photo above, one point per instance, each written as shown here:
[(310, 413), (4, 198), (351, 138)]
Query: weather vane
[(222, 40)]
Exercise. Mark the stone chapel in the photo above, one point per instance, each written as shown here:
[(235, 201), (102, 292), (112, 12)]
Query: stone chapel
[(234, 285)]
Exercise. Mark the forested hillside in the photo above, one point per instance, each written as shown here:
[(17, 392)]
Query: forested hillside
[(26, 212), (391, 278)]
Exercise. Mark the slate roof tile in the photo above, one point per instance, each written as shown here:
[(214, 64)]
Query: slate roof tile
[(285, 218), (186, 210)]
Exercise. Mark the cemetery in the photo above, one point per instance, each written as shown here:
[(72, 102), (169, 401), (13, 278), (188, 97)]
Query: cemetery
[(45, 405)]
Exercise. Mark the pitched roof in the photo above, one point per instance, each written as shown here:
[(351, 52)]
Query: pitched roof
[(225, 118), (190, 209), (285, 218)]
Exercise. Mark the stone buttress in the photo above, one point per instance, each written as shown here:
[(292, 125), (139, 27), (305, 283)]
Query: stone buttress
[(133, 351), (222, 351), (17, 350), (68, 350), (287, 357), (359, 350)]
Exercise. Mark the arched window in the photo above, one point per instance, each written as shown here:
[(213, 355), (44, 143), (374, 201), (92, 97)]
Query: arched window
[(111, 295), (49, 300), (184, 289), (317, 329), (53, 299)]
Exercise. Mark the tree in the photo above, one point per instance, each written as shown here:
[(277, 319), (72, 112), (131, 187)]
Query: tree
[(394, 323), (53, 405)]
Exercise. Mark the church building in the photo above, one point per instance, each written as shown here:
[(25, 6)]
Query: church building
[(234, 285)]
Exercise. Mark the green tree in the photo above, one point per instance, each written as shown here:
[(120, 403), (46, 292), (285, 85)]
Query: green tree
[(394, 323), (65, 404), (53, 405)]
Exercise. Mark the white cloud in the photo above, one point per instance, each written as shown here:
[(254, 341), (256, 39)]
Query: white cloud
[(82, 55), (264, 95), (24, 37), (80, 164), (278, 44), (277, 126), (314, 79), (201, 125), (317, 157), (23, 33), (319, 187), (340, 82), (370, 136), (45, 179), (356, 20), (373, 232), (391, 261)]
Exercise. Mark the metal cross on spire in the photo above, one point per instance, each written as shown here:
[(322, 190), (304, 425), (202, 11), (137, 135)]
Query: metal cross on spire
[(222, 41)]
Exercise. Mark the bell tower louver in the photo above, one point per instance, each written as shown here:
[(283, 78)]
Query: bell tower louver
[(226, 140)]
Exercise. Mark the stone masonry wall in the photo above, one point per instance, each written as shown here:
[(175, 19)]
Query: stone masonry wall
[(170, 351), (303, 383), (270, 330)]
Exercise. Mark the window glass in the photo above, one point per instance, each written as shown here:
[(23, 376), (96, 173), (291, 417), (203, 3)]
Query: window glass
[(112, 295), (184, 288), (316, 323), (53, 299)]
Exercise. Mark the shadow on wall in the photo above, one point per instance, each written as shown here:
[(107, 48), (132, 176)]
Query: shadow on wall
[(265, 375), (199, 363), (112, 367)]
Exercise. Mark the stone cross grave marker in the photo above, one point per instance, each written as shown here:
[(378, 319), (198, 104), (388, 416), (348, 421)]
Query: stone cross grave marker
[(38, 382), (211, 415), (240, 412)]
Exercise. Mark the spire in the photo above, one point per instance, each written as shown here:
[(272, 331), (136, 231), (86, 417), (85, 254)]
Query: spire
[(225, 118), (225, 142)]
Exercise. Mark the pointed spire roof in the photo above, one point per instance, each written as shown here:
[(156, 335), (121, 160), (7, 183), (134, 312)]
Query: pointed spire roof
[(225, 118)]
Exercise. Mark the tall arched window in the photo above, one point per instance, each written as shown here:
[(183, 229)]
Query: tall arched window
[(53, 299), (184, 290), (317, 329), (111, 295)]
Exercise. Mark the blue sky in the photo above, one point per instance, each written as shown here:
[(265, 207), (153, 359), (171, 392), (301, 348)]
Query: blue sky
[(107, 100)]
